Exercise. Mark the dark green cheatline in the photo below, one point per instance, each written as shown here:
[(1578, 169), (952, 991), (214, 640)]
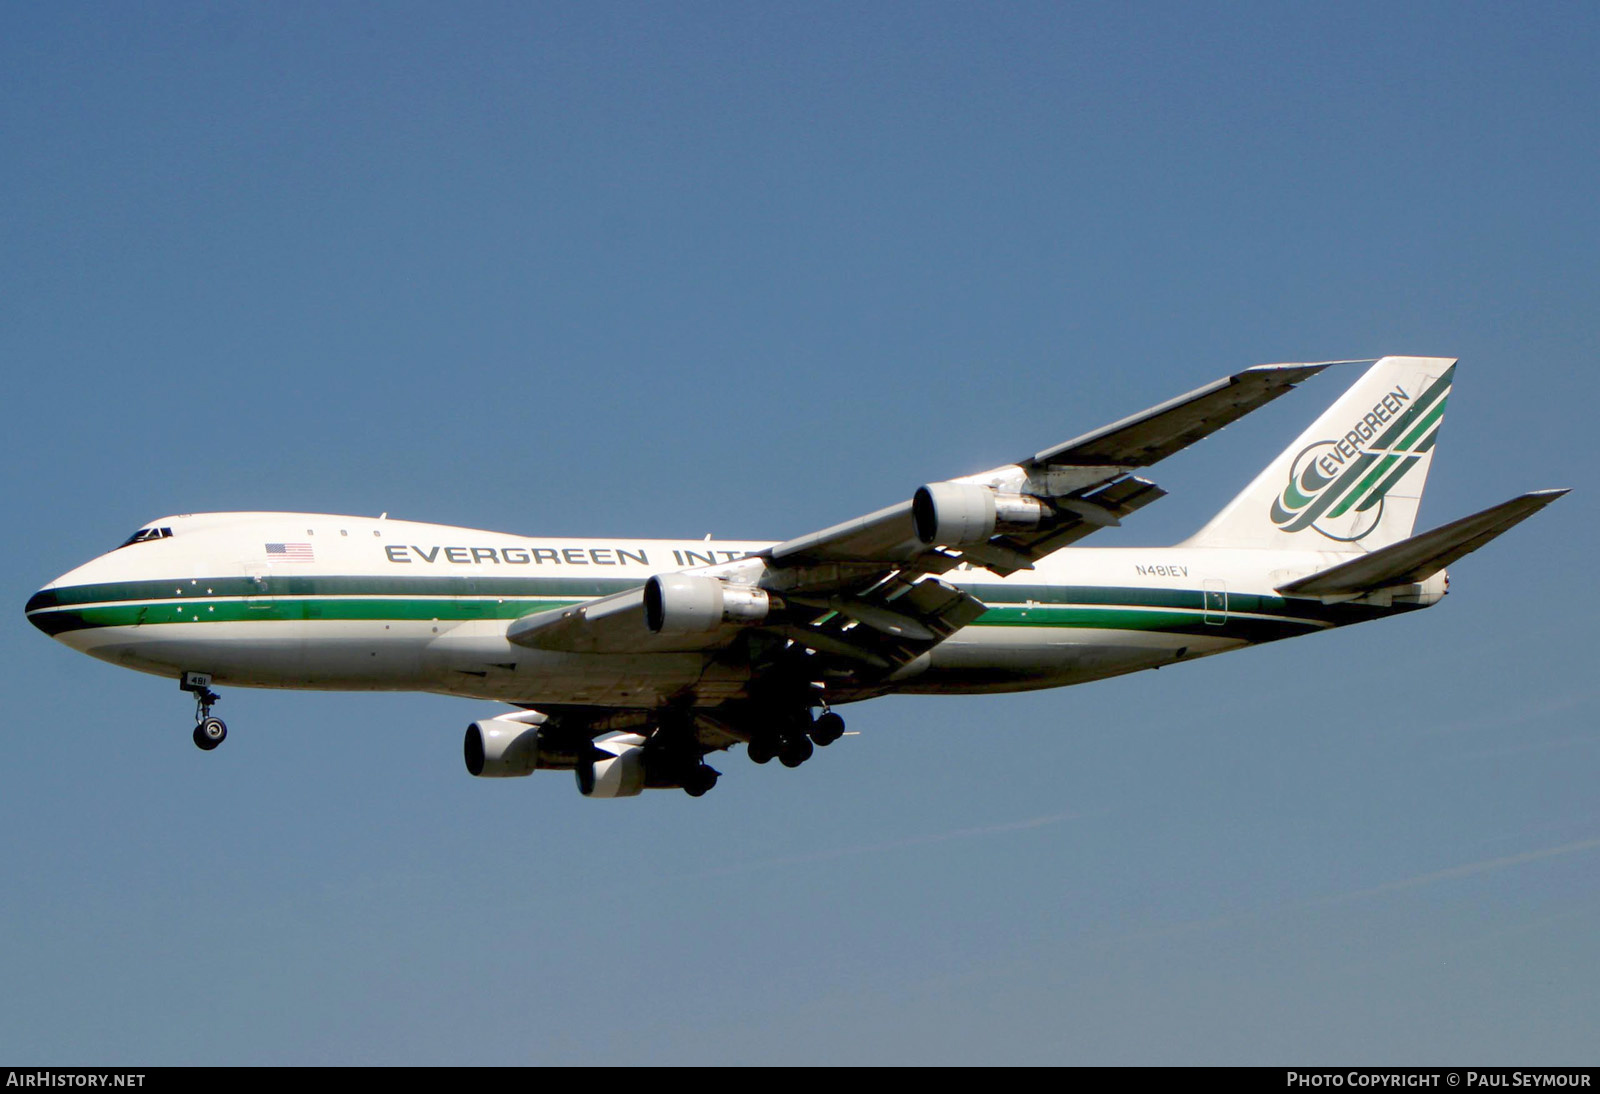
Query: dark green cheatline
[(302, 597)]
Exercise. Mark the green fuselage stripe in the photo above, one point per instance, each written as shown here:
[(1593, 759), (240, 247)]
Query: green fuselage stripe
[(1250, 616), (280, 584)]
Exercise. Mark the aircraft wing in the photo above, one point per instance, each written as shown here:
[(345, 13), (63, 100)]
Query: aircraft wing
[(1151, 435), (1080, 485), (864, 597)]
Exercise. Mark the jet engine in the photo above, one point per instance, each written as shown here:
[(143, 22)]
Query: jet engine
[(961, 514), (620, 767), (500, 748), (688, 604)]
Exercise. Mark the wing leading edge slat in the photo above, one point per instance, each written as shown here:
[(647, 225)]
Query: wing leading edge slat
[(1152, 435)]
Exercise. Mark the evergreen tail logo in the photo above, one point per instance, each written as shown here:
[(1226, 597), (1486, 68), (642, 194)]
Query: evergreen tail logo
[(1330, 479)]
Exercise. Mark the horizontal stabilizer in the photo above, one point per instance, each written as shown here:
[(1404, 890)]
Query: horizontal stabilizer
[(1420, 557)]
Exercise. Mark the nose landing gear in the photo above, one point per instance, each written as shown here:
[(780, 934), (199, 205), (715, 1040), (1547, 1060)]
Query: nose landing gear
[(209, 732)]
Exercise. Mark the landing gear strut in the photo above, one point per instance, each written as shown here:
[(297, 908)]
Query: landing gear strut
[(209, 732), (674, 748)]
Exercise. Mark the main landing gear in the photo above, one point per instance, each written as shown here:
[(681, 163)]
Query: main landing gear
[(209, 732), (699, 780), (792, 744), (674, 751)]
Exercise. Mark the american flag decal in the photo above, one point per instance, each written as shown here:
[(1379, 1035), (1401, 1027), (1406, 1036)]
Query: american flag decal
[(289, 552)]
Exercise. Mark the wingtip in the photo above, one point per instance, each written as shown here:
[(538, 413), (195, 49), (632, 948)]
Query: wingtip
[(1315, 366), (1293, 372)]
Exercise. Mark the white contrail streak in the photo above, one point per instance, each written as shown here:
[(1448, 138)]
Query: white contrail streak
[(1469, 869), (1465, 870)]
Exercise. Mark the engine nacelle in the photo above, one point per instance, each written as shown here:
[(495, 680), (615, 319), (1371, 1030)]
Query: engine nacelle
[(689, 604), (498, 748), (619, 775), (620, 767), (962, 514)]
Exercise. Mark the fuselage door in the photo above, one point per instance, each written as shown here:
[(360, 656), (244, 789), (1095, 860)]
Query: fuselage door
[(1215, 593), (258, 586)]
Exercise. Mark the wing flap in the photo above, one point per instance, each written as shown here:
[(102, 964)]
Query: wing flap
[(889, 624), (1081, 515)]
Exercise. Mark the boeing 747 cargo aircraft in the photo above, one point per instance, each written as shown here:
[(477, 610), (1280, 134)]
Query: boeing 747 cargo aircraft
[(629, 661)]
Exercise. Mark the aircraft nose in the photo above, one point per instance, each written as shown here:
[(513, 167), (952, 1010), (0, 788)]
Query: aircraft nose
[(37, 615)]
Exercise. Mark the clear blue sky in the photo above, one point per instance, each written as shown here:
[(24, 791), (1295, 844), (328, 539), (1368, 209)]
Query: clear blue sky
[(752, 269)]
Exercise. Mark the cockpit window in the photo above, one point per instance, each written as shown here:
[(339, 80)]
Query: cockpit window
[(145, 535)]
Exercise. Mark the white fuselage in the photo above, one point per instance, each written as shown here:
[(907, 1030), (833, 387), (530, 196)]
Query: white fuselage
[(355, 603)]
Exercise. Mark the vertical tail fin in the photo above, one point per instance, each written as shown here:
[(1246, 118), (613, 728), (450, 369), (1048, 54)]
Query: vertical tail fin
[(1353, 481)]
